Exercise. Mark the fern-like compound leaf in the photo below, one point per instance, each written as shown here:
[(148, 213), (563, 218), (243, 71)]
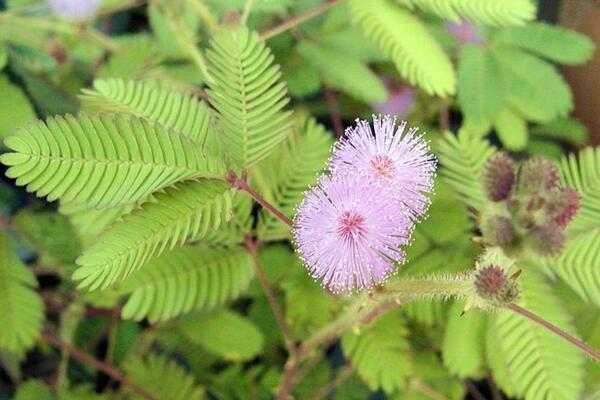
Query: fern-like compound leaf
[(190, 278), (540, 364), (187, 210), (248, 95), (163, 378), (579, 265), (380, 353), (495, 13), (21, 308), (181, 112), (582, 172), (102, 160), (548, 41), (422, 62), (462, 158), (540, 96), (304, 156)]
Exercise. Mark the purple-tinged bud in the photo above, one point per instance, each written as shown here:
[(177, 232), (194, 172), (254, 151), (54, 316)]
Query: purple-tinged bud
[(492, 285), (537, 174), (498, 177), (562, 205), (498, 231), (546, 240)]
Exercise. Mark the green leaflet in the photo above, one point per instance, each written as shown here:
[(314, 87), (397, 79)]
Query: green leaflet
[(247, 93), (540, 96), (568, 130), (540, 364), (479, 84), (344, 72), (102, 160), (380, 353), (463, 347), (181, 112), (137, 55), (422, 62), (463, 157), (579, 265), (187, 210), (185, 279), (582, 172), (225, 333), (21, 308), (495, 13), (163, 378), (291, 174), (511, 129), (552, 42), (15, 109)]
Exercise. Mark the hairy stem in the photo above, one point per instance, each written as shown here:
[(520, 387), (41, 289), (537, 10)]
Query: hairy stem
[(369, 306), (298, 19), (595, 354), (205, 15), (242, 184), (246, 13), (252, 247), (106, 368)]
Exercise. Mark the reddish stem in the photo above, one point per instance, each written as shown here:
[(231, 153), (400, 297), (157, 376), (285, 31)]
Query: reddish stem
[(106, 368), (555, 329), (242, 184)]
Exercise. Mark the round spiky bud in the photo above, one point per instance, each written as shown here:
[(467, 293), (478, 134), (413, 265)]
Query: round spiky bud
[(562, 205), (546, 240), (492, 285), (498, 231), (537, 174), (498, 177)]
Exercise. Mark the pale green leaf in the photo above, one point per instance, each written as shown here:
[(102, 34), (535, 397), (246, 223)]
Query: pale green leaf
[(15, 108), (511, 129)]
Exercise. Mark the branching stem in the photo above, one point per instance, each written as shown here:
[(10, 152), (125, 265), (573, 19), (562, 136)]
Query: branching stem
[(595, 354), (242, 184), (106, 368), (298, 19)]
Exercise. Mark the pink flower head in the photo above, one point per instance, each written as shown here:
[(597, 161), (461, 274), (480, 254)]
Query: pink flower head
[(349, 229), (394, 155), (75, 10)]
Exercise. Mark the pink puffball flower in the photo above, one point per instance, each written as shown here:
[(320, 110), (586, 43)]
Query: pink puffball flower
[(75, 10), (349, 230), (393, 154)]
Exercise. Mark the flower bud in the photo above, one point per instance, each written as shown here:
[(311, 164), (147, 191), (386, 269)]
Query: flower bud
[(498, 177), (537, 174), (498, 231), (492, 285), (546, 240), (562, 205)]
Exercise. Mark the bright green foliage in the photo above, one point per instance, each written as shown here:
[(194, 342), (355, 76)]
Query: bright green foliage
[(540, 96), (184, 211), (185, 279), (463, 157), (463, 348), (344, 72), (136, 56), (479, 84), (548, 41), (183, 113), (380, 353), (568, 130), (304, 156), (579, 265), (248, 96), (15, 109), (162, 378), (540, 364), (225, 333), (101, 160), (582, 172), (21, 308), (34, 390), (511, 129), (353, 43), (494, 13), (422, 62)]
